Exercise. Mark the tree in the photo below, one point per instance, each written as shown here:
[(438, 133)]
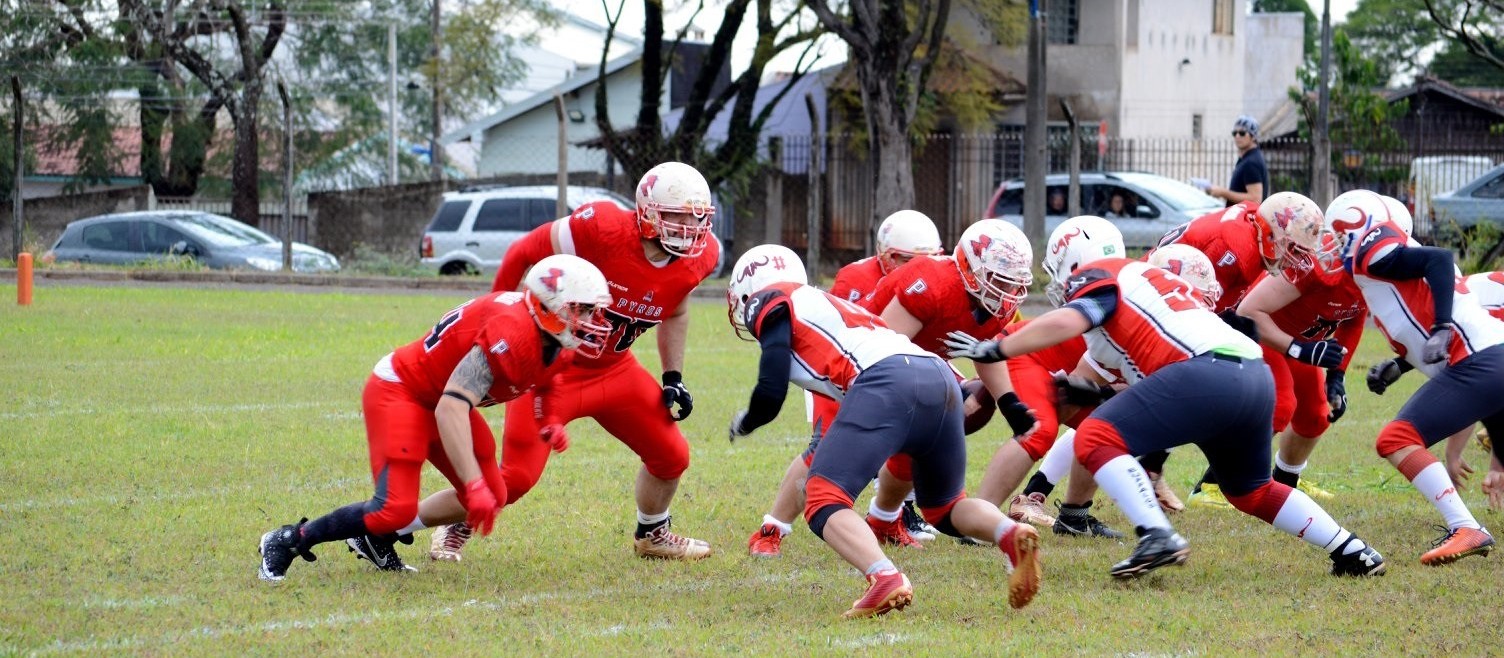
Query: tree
[(1392, 34), (1477, 24), (893, 46), (1458, 65), (1360, 117)]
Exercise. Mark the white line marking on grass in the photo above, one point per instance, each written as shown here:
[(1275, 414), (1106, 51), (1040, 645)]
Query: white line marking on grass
[(71, 410), (113, 499), (93, 644), (145, 602), (881, 639)]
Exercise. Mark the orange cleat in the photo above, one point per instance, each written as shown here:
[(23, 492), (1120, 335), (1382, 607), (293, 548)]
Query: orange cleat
[(1021, 545), (886, 592), (766, 542), (892, 533), (1458, 544)]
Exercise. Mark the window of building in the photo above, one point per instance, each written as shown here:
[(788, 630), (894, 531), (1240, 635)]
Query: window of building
[(1222, 16), (1063, 22), (1131, 27), (1196, 126)]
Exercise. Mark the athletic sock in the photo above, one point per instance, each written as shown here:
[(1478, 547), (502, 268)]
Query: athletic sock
[(881, 514), (1302, 517), (1287, 474), (343, 523), (1057, 462), (1068, 510), (783, 528), (647, 523), (1128, 484), (881, 566), (1039, 484), (1430, 477)]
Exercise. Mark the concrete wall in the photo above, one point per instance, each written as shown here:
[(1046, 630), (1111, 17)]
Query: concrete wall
[(528, 143), (1276, 51), (1161, 95), (45, 217)]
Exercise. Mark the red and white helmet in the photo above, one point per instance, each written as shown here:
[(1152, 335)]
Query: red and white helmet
[(674, 207), (1076, 242), (762, 266), (1295, 226), (1191, 264), (1351, 215), (567, 297), (997, 265), (904, 235)]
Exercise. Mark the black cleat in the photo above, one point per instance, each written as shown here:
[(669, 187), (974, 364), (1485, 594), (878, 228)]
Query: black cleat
[(1157, 547), (914, 522), (1084, 526), (1365, 562), (278, 548), (381, 551)]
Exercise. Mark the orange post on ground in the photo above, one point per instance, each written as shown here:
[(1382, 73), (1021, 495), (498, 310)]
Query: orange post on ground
[(23, 279)]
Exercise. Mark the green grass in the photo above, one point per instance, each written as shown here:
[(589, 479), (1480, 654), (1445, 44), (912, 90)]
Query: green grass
[(150, 435)]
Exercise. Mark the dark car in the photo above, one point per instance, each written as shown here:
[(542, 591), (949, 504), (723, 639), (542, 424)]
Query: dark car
[(215, 240)]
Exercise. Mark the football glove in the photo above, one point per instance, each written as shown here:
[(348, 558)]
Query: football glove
[(964, 345), (1019, 416), (1080, 391), (481, 507), (1336, 394), (675, 392), (554, 435), (736, 426), (1438, 345), (1386, 372), (1245, 326), (1320, 353)]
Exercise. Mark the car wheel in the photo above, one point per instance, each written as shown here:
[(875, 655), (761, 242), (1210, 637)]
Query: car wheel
[(458, 268)]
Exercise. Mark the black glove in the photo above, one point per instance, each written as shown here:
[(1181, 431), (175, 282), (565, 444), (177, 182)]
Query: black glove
[(1336, 394), (964, 345), (1439, 345), (1320, 353), (736, 426), (1244, 325), (1080, 391), (674, 391), (1384, 373), (1020, 418)]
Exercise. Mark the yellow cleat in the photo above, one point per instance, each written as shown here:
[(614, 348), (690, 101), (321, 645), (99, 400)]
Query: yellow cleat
[(1210, 496), (1315, 492)]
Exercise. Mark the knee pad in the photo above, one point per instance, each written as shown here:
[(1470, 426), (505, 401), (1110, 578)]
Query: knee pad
[(1310, 419), (940, 517), (670, 461), (1098, 442), (901, 466), (1263, 502), (1038, 442), (1397, 435), (816, 519), (821, 499)]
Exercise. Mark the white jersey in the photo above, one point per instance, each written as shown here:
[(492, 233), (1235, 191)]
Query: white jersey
[(1487, 288), (834, 340), (1109, 359)]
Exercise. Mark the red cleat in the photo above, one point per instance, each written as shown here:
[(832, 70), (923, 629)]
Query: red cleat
[(1021, 545), (886, 591), (892, 532), (766, 542), (1458, 544)]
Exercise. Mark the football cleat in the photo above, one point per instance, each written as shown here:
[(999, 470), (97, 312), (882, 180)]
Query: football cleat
[(448, 541), (380, 551), (766, 542), (886, 592), (666, 544), (914, 522), (1315, 492), (1168, 501), (1021, 545), (892, 533), (1030, 509), (1365, 562), (1457, 544), (1157, 547), (278, 548), (1210, 497), (1084, 526)]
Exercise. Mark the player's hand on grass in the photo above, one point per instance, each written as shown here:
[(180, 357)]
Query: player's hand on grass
[(1385, 373), (965, 346), (1459, 470), (481, 507), (1336, 394), (674, 392), (1493, 485)]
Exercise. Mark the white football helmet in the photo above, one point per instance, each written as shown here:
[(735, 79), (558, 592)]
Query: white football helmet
[(997, 265), (762, 266), (567, 297), (674, 207), (1191, 264), (1399, 215), (1349, 217), (904, 235), (1295, 225), (1076, 242)]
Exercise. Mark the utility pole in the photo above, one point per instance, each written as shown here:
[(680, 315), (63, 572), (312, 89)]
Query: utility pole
[(435, 162), (391, 104), (286, 178), (1321, 142), (1036, 158), (17, 164)]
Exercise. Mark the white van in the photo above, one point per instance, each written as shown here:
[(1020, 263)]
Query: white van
[(1439, 174), (474, 227)]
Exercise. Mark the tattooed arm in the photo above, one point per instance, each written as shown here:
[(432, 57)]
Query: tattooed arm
[(467, 387)]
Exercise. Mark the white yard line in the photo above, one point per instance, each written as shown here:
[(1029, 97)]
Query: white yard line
[(75, 410)]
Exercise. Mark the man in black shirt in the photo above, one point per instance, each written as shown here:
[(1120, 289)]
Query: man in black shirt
[(1250, 178)]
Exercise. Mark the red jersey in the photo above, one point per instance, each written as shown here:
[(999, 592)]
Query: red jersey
[(930, 288), (1229, 239), (857, 282), (1057, 358), (643, 293), (499, 324), (1330, 305), (1157, 320)]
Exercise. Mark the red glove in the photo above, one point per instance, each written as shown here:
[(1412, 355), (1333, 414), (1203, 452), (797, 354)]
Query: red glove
[(481, 507), (554, 435)]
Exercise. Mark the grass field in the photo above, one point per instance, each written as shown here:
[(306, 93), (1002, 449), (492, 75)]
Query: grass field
[(148, 436)]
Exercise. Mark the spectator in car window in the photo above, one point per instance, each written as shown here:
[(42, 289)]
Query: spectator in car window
[(1250, 177), (1057, 201), (1118, 206)]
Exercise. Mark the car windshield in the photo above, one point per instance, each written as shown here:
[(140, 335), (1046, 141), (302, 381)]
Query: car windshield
[(1180, 196), (222, 231)]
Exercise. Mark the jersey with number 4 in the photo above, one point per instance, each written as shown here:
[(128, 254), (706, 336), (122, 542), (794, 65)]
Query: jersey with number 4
[(1404, 310), (930, 289), (1157, 321), (500, 325), (1488, 289), (1229, 239), (834, 340)]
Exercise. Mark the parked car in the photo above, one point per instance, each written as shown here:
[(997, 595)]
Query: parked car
[(1435, 175), (1150, 205), (216, 241), (474, 227), (1478, 201)]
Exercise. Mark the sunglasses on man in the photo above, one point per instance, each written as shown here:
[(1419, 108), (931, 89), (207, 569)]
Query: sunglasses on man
[(1239, 133)]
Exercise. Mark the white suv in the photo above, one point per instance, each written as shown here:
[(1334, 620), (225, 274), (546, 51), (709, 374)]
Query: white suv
[(475, 226)]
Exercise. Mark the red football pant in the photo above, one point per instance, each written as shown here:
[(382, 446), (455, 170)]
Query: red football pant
[(401, 434), (1035, 387), (624, 398), (1299, 395)]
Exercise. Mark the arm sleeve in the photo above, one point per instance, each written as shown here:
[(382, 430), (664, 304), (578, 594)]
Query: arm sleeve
[(533, 247), (1349, 333), (775, 334), (1097, 304), (1432, 263)]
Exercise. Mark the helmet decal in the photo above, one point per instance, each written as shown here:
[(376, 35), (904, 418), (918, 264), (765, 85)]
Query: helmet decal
[(1344, 225), (1284, 216), (980, 244), (1063, 241), (648, 181), (751, 267), (552, 279)]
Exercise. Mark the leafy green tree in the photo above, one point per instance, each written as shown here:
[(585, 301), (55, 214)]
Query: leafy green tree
[(1458, 65), (1392, 34), (1478, 25), (1359, 116)]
